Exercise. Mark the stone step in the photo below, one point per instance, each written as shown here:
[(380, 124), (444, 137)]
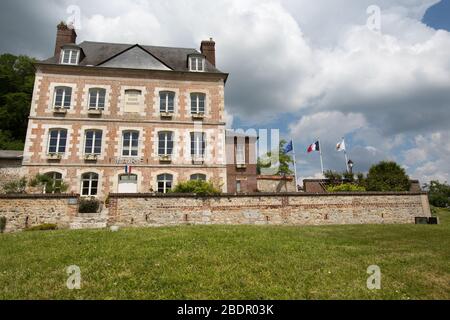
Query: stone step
[(87, 225)]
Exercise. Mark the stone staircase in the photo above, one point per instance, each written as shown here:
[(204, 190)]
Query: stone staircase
[(90, 220)]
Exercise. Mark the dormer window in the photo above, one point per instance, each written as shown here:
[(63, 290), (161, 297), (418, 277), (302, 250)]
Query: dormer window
[(70, 56), (197, 63)]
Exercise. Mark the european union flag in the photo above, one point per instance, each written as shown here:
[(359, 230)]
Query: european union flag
[(289, 147)]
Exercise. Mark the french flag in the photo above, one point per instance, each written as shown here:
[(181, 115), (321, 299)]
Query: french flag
[(128, 169), (314, 147)]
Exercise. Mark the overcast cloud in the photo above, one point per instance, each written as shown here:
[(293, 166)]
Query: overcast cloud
[(312, 68)]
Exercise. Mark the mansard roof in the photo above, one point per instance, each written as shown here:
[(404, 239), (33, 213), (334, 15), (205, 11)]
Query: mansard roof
[(117, 55)]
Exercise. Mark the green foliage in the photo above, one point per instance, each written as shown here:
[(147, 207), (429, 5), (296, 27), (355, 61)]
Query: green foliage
[(387, 176), (89, 206), (43, 227), (438, 194), (16, 186), (346, 187), (198, 187), (333, 177), (16, 88), (50, 185), (285, 160), (2, 224)]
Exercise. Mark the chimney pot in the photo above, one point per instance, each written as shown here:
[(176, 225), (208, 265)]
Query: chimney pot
[(208, 49)]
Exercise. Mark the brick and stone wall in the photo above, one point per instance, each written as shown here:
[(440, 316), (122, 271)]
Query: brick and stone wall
[(24, 211), (266, 209), (276, 184)]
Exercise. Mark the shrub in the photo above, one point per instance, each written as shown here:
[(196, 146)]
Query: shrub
[(43, 227), (2, 224), (16, 186), (198, 187), (333, 177), (47, 182), (346, 187), (89, 206), (387, 176)]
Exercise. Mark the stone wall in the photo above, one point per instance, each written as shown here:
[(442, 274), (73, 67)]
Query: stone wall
[(10, 174), (268, 209), (276, 184), (24, 211)]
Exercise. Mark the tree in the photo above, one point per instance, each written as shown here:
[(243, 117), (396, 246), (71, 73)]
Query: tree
[(16, 89), (438, 194), (387, 176), (285, 160)]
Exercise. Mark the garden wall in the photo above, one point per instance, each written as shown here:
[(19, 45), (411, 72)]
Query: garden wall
[(24, 211), (268, 209)]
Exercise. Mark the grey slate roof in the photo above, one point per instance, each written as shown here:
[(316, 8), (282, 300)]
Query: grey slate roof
[(10, 154), (96, 53)]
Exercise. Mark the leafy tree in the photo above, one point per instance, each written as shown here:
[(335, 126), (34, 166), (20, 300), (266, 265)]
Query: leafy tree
[(198, 187), (333, 176), (285, 160), (438, 194), (48, 184), (387, 176), (16, 89)]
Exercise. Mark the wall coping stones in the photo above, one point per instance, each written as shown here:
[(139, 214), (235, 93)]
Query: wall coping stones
[(39, 196)]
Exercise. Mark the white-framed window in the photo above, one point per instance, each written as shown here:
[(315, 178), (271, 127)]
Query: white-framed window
[(133, 101), (93, 142), (167, 101), (198, 144), (89, 184), (130, 143), (70, 56), (62, 97), (240, 152), (56, 182), (165, 143), (97, 98), (57, 141), (238, 186), (198, 103), (165, 182), (197, 64), (198, 177)]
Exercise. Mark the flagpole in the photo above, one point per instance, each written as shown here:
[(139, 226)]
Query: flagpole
[(321, 158), (295, 165), (346, 161)]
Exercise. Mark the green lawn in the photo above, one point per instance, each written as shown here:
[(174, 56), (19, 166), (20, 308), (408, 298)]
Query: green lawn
[(230, 262)]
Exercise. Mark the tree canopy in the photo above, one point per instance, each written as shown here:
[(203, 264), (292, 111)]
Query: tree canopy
[(16, 89), (285, 160), (387, 176)]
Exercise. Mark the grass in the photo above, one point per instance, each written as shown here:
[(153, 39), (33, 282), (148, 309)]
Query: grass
[(230, 262)]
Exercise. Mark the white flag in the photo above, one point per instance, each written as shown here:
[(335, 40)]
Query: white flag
[(341, 146)]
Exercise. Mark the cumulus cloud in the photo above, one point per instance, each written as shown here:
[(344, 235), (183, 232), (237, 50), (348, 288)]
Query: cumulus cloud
[(310, 66)]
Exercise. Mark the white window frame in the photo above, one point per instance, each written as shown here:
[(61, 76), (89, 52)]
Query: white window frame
[(64, 52), (164, 181), (198, 65), (65, 94), (94, 138), (240, 152), (130, 146), (167, 135), (199, 139), (90, 180), (165, 108), (197, 176), (97, 99), (58, 141), (197, 102)]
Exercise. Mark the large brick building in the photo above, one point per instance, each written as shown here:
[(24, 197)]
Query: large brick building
[(126, 118)]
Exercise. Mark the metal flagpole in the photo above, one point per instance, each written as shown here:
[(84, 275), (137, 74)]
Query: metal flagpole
[(321, 159), (346, 161), (295, 166)]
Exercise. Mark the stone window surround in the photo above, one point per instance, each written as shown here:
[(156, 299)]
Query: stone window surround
[(82, 140), (52, 92), (209, 140), (81, 172), (176, 142), (46, 140), (121, 100), (155, 174), (176, 103), (141, 146), (85, 102), (135, 171), (208, 103)]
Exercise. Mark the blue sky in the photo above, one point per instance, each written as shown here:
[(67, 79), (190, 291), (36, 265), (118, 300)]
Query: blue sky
[(378, 75)]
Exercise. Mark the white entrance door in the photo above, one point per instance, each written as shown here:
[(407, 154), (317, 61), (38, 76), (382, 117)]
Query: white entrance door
[(128, 183)]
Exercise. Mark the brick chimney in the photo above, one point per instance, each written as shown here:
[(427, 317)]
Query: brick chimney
[(208, 49), (64, 35)]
